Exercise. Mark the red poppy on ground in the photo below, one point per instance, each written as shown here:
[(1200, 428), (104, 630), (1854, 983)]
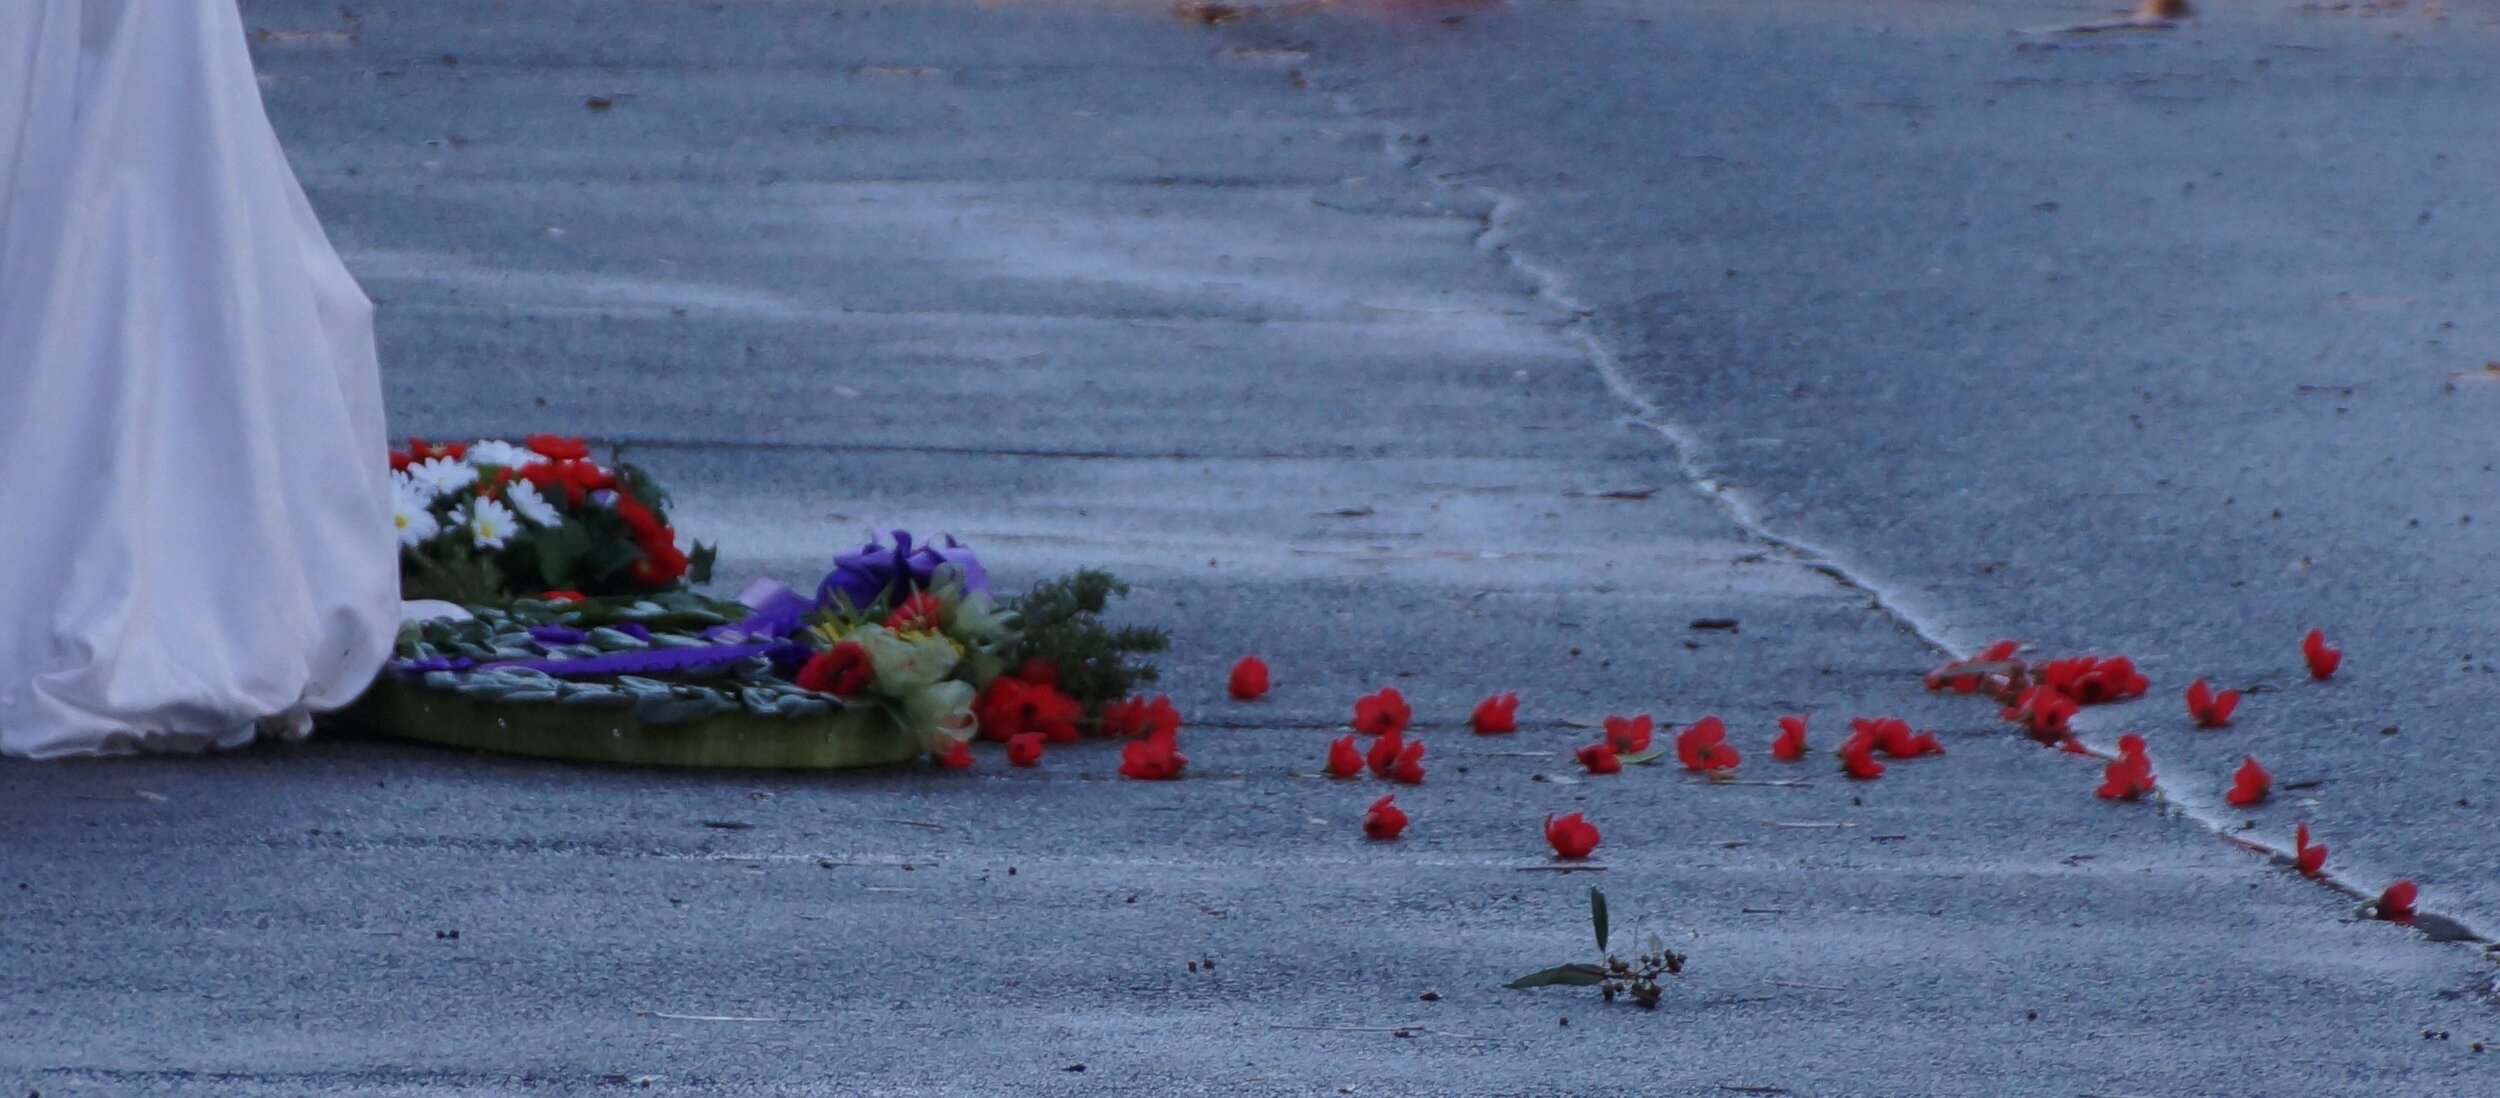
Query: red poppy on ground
[(2043, 712), (1629, 735), (1599, 759), (558, 447), (957, 756), (1249, 678), (561, 596), (2322, 659), (1135, 717), (1790, 745), (1344, 759), (1384, 754), (1857, 758), (2250, 785), (2396, 904), (1155, 758), (1384, 821), (2305, 857), (1024, 748), (1572, 837), (1703, 747), (1012, 706), (1892, 736), (2131, 777), (1383, 714), (2208, 708), (2090, 680), (918, 614), (843, 672), (1409, 769), (1496, 715)]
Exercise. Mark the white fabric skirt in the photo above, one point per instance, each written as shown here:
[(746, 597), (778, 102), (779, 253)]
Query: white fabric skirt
[(195, 526)]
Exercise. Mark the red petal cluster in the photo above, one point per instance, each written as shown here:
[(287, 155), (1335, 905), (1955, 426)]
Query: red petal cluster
[(2322, 659), (1990, 670), (1704, 748), (2250, 784), (2131, 777), (1383, 714), (1892, 736), (1571, 836), (1011, 707), (1384, 821), (1136, 717), (557, 447), (843, 672), (2043, 712), (1495, 715), (2208, 708), (1631, 735), (2090, 680), (957, 756), (1790, 746), (921, 613), (1249, 679)]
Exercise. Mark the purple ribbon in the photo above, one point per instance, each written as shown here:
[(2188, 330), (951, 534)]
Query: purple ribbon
[(650, 661), (874, 571)]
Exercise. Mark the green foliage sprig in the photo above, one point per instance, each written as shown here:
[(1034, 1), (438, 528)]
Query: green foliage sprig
[(1615, 977), (1060, 623)]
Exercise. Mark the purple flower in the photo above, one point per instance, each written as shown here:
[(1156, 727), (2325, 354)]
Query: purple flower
[(876, 572)]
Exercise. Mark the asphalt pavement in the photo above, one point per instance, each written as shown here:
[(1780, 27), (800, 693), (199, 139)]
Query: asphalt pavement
[(1282, 317)]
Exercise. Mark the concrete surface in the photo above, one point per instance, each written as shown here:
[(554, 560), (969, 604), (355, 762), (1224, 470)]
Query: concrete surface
[(1088, 284)]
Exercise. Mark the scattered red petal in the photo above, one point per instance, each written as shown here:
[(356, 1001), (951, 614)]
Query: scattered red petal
[(1409, 769), (1384, 756), (2307, 858), (957, 756), (2322, 659), (1496, 715), (2396, 904), (1703, 747), (1572, 837), (1384, 821), (1136, 717), (1599, 759), (2129, 778), (1790, 746), (2250, 785), (1155, 758), (1344, 759), (1249, 679)]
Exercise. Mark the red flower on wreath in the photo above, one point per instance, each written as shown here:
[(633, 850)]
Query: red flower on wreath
[(1384, 821), (1249, 679), (1572, 837), (1012, 707), (957, 756), (1383, 714), (558, 447), (1495, 715), (1790, 746), (843, 672), (921, 613), (1024, 749), (1344, 759)]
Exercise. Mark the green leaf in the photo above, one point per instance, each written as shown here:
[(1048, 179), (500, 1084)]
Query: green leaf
[(1646, 757), (1562, 976), (699, 563), (1597, 917)]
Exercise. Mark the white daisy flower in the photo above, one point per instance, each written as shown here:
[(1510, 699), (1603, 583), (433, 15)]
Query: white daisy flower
[(439, 477), (494, 452), (525, 500), (489, 522), (414, 518)]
